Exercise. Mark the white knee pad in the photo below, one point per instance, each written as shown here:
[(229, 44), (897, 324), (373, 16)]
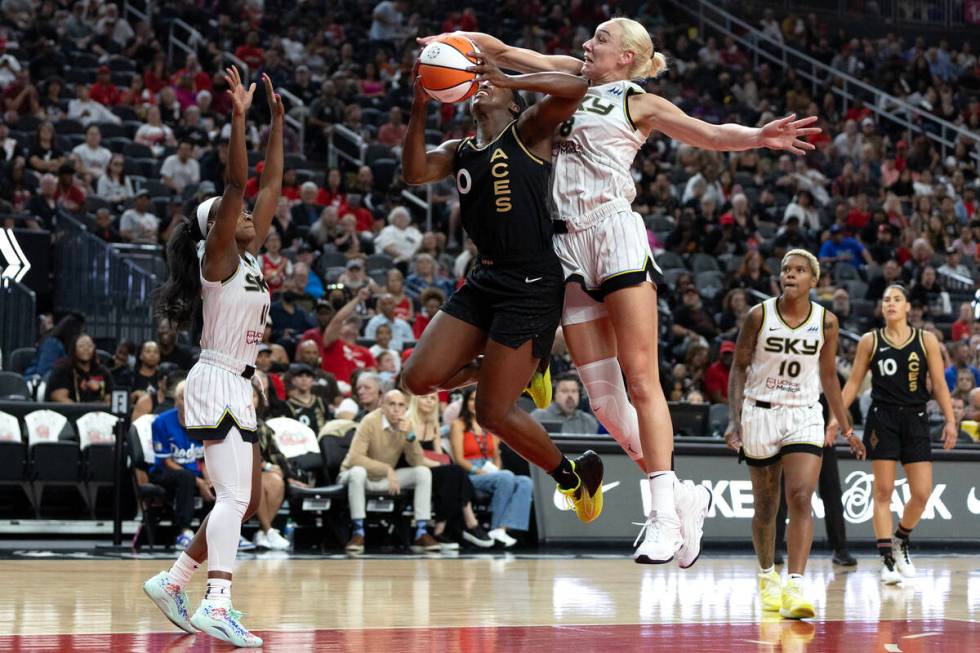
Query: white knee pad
[(603, 381), (580, 307), (229, 465)]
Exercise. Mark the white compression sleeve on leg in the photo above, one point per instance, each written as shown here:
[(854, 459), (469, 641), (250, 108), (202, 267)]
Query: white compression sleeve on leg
[(229, 464), (603, 380)]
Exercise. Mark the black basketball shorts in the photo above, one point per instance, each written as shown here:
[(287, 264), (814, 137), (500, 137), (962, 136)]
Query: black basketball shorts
[(513, 300), (898, 433)]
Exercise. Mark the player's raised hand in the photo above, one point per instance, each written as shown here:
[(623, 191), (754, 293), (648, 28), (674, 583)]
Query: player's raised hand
[(276, 109), (487, 71), (786, 134), (241, 99), (733, 436)]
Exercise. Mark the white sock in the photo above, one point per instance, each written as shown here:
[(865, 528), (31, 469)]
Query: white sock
[(771, 569), (796, 578), (219, 589), (183, 568), (662, 494)]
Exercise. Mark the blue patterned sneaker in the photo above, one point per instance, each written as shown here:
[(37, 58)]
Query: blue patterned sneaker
[(220, 620), (171, 599)]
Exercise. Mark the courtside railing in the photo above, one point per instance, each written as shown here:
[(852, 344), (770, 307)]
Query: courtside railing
[(18, 307), (95, 279)]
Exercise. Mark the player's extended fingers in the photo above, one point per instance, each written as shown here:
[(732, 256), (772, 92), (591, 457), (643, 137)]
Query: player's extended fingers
[(808, 131), (783, 122), (803, 122), (803, 145), (251, 90)]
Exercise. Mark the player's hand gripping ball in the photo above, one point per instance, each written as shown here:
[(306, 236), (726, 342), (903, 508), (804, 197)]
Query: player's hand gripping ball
[(443, 67)]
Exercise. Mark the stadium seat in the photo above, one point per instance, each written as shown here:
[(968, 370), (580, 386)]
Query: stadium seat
[(125, 113), (384, 172), (97, 441), (673, 274), (68, 126), (329, 260), (153, 500), (13, 457), (13, 386), (710, 283), (704, 263), (718, 420), (53, 453), (27, 124), (93, 203), (659, 223), (116, 144), (20, 359), (156, 188), (372, 116), (377, 151), (111, 130), (378, 262), (670, 261)]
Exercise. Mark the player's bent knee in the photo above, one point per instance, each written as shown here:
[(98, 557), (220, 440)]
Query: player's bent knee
[(798, 498)]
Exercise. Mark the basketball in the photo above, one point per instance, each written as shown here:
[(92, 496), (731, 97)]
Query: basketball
[(443, 64)]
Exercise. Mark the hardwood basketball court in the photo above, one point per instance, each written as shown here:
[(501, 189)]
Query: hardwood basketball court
[(488, 603)]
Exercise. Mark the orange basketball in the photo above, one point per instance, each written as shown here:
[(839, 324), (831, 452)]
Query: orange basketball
[(442, 66)]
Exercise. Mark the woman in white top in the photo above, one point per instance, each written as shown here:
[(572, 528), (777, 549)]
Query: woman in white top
[(154, 133), (93, 157), (604, 249), (213, 258), (114, 186)]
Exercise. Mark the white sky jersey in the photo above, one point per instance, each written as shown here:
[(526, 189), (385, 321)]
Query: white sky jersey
[(785, 368), (593, 154), (235, 310)]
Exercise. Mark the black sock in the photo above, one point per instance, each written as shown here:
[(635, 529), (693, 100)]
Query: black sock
[(564, 475), (902, 533), (885, 548)]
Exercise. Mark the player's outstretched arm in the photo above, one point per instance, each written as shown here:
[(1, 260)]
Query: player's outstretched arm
[(519, 59), (221, 253), (744, 346), (420, 166), (537, 125), (653, 113), (934, 358), (270, 186)]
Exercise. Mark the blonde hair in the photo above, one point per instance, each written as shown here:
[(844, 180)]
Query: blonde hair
[(417, 419), (646, 61), (814, 263)]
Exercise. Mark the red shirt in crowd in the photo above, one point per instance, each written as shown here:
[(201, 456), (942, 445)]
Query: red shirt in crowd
[(961, 330), (716, 380), (341, 359), (105, 94), (254, 57)]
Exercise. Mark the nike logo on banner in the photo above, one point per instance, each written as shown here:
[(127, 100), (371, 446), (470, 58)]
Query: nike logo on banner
[(972, 502), (559, 498), (530, 280)]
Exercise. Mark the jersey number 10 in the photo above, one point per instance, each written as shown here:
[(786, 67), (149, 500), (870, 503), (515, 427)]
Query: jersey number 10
[(887, 366), (789, 368)]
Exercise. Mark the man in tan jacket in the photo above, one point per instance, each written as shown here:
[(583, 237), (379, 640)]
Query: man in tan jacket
[(380, 440)]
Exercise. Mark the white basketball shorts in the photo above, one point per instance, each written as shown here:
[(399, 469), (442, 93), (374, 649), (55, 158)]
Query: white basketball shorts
[(768, 433), (612, 254)]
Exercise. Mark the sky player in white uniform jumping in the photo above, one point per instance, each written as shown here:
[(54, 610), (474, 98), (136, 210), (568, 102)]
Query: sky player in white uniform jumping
[(212, 256), (612, 279), (777, 421)]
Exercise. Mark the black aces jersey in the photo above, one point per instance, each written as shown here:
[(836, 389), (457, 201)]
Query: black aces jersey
[(315, 415), (898, 371), (503, 196)]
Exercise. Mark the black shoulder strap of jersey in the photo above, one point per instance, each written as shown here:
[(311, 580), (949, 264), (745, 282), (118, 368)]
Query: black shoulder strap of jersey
[(630, 91)]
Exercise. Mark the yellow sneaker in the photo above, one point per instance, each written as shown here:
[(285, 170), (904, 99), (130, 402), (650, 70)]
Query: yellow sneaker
[(539, 389), (794, 604), (771, 591), (586, 497)]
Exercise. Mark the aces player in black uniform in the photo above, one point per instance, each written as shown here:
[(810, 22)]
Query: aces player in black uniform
[(897, 426), (510, 305)]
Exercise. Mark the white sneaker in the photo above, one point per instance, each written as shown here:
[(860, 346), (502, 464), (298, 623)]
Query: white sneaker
[(276, 541), (903, 561), (661, 540), (889, 574), (171, 599), (220, 620), (693, 504), (500, 535), (261, 540)]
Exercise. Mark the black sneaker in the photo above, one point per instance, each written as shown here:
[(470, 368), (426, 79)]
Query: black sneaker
[(478, 537), (586, 499), (844, 558), (446, 544)]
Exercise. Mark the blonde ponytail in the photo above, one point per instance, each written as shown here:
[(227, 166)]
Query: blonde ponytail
[(658, 64), (635, 38)]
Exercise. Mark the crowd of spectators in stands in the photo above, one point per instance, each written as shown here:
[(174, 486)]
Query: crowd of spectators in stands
[(101, 127)]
